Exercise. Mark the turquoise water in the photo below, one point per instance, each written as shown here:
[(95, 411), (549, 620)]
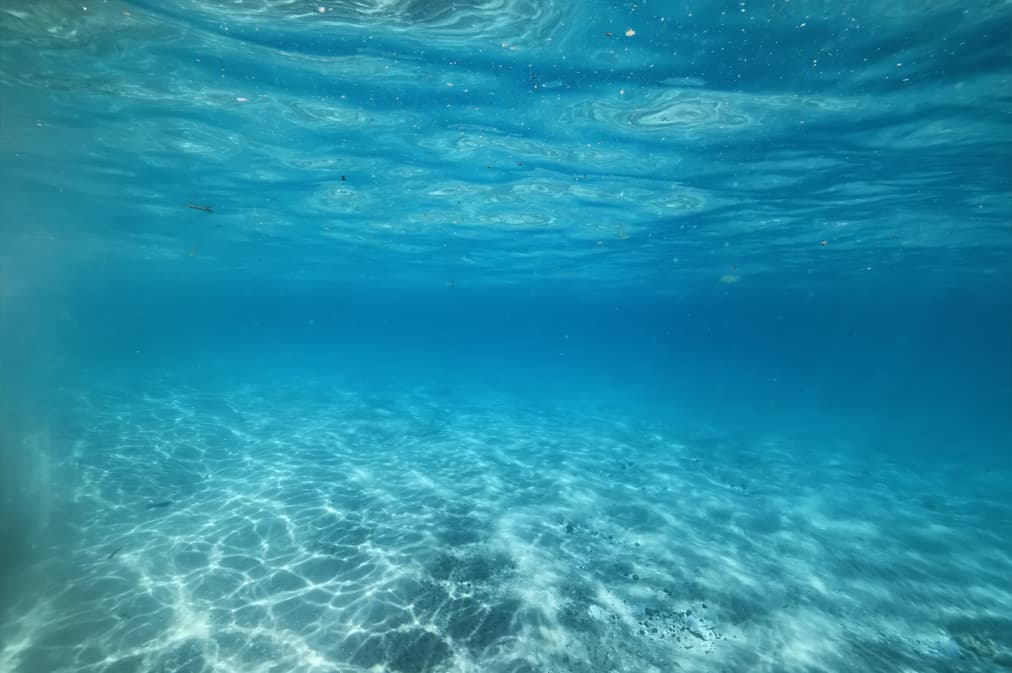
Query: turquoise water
[(505, 336)]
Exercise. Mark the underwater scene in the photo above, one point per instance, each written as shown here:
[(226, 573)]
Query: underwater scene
[(505, 336)]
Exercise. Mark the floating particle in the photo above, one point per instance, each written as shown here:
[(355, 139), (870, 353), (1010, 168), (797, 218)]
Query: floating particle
[(729, 278), (321, 10), (823, 243), (206, 209), (608, 34), (630, 32), (241, 99)]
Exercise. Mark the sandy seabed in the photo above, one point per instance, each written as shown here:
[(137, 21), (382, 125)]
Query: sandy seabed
[(270, 529)]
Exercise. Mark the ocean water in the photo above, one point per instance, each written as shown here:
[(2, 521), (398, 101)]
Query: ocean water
[(505, 336)]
